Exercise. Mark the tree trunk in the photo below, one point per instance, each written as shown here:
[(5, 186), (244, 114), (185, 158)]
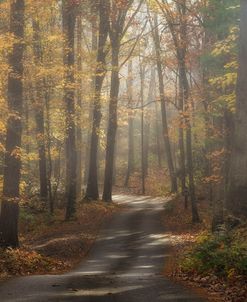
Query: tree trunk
[(237, 186), (69, 99), (130, 124), (163, 109), (112, 124), (190, 170), (181, 56), (157, 129), (49, 157), (151, 98), (143, 176), (39, 114), (12, 170), (92, 192), (146, 147), (181, 139), (94, 25), (79, 109)]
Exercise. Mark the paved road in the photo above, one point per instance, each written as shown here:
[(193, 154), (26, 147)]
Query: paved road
[(123, 266)]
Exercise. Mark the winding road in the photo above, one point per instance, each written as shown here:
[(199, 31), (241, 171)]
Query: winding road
[(124, 265)]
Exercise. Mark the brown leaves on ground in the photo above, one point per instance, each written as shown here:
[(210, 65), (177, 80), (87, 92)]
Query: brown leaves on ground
[(183, 234), (70, 241), (21, 261), (217, 289), (51, 245)]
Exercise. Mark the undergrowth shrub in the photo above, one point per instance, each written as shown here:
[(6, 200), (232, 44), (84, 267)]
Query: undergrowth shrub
[(169, 207), (223, 256), (27, 219)]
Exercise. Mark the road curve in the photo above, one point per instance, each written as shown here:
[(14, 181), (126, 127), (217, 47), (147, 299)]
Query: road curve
[(123, 266)]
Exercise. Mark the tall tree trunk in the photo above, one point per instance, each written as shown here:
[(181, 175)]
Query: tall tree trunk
[(151, 98), (157, 130), (208, 147), (143, 176), (39, 113), (112, 123), (12, 170), (27, 130), (237, 186), (190, 169), (181, 56), (163, 108), (47, 97), (94, 26), (92, 192), (181, 139), (79, 109), (146, 146), (130, 124), (69, 99)]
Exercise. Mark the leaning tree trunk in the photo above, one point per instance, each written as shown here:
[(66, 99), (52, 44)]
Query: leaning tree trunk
[(12, 170), (69, 99), (112, 124), (237, 183), (92, 192), (172, 173)]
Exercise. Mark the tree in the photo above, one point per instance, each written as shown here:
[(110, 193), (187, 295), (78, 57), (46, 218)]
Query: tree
[(237, 186), (79, 142), (130, 167), (117, 30), (92, 192), (69, 21), (39, 113), (156, 39), (180, 41), (12, 170), (142, 84)]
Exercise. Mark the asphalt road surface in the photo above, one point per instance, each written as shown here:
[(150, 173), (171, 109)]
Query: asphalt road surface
[(124, 265)]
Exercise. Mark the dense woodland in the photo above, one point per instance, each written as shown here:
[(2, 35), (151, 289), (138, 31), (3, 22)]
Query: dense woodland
[(146, 96)]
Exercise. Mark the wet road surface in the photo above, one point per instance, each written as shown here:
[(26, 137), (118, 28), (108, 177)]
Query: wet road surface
[(124, 265)]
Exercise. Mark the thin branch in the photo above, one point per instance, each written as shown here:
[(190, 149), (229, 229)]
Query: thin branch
[(134, 46), (131, 18)]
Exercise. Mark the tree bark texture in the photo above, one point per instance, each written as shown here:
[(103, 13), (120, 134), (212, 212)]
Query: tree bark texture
[(12, 170), (39, 114), (130, 167), (163, 110), (92, 192), (69, 22), (112, 124)]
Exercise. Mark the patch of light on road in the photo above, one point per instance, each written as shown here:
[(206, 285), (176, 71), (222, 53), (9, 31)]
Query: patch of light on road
[(105, 291)]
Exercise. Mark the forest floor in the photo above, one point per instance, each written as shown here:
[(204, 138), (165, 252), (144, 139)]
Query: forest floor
[(49, 244), (184, 236)]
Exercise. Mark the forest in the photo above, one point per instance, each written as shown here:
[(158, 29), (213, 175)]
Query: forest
[(123, 150)]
